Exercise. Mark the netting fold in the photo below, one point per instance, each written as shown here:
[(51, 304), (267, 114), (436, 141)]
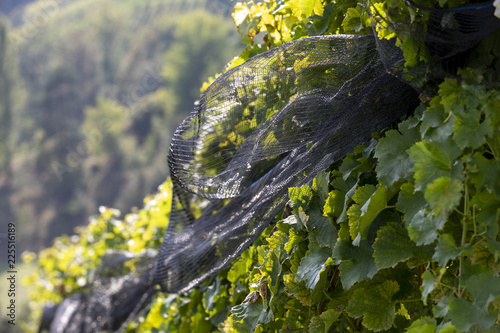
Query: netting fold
[(272, 123)]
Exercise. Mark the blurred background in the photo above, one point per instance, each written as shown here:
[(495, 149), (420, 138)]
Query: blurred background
[(90, 94)]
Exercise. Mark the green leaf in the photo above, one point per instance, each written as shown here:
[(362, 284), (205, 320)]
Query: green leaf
[(155, 315), (394, 163), (423, 325), (464, 314), (421, 222), (199, 322), (434, 160), (247, 22), (423, 227), (320, 187), (353, 165), (274, 268), (487, 208), (410, 202), (241, 266), (443, 195), (442, 308), (483, 287), (252, 314), (434, 116), (469, 131), (299, 290), (323, 322), (322, 229), (334, 204), (428, 285), (357, 262), (294, 239), (304, 8), (353, 20), (312, 265), (370, 201), (392, 246), (485, 172), (322, 232), (347, 188), (278, 239), (450, 93), (447, 328), (375, 304), (210, 294), (446, 249), (300, 195)]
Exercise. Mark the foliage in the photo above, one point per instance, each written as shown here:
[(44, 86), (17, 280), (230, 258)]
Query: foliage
[(70, 264), (401, 235)]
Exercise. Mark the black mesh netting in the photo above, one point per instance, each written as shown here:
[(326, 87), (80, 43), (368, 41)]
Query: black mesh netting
[(269, 124)]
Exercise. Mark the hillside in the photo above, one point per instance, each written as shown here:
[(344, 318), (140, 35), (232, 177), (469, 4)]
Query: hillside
[(90, 92)]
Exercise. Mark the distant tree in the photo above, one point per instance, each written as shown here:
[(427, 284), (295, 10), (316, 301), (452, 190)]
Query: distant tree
[(202, 44), (5, 128)]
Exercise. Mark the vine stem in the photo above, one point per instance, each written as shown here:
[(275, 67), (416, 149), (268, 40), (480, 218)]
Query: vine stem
[(464, 234)]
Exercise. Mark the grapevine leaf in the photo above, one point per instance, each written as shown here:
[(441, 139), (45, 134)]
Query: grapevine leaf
[(423, 325), (298, 290), (320, 187), (294, 239), (447, 328), (393, 161), (422, 229), (422, 224), (450, 93), (155, 316), (446, 249), (323, 232), (317, 325), (274, 268), (247, 22), (357, 262), (252, 314), (410, 202), (305, 8), (319, 24), (428, 285), (353, 165), (322, 323), (241, 266), (278, 239), (484, 172), (464, 314), (348, 188), (434, 160), (391, 246), (212, 291), (370, 201), (443, 195), (329, 317), (312, 265), (469, 131), (300, 195), (483, 287), (433, 117), (375, 304), (442, 307), (488, 208), (199, 322), (334, 204)]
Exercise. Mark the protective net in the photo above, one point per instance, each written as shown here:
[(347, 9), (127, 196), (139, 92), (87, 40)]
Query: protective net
[(269, 124)]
